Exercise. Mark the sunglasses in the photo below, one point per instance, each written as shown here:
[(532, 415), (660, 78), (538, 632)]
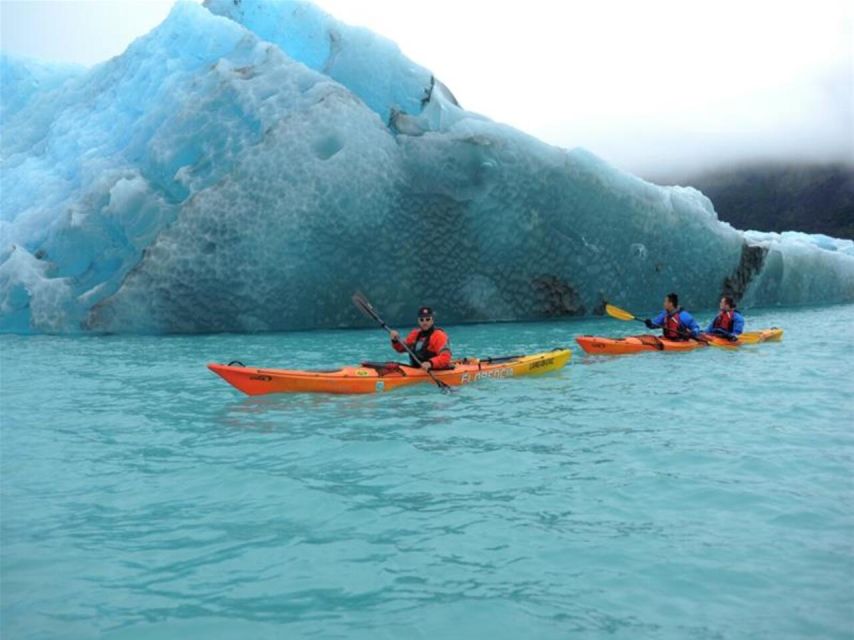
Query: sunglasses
[(427, 319)]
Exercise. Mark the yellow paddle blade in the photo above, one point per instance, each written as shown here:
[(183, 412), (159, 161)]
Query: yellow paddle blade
[(619, 314)]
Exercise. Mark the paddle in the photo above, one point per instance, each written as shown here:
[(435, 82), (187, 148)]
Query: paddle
[(367, 308), (622, 314)]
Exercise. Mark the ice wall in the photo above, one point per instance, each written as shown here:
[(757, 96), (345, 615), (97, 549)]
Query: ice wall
[(248, 165)]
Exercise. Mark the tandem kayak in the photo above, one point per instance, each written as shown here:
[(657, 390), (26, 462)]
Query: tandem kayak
[(636, 344), (374, 377)]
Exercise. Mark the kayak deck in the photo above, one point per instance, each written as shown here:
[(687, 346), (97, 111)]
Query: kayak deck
[(636, 344), (385, 376)]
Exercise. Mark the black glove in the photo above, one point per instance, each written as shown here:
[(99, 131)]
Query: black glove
[(732, 338), (649, 324)]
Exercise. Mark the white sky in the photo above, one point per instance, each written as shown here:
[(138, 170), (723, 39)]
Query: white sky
[(650, 86)]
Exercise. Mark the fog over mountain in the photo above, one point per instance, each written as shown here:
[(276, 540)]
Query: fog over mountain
[(778, 196)]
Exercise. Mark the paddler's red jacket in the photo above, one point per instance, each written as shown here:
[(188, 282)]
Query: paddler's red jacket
[(434, 346)]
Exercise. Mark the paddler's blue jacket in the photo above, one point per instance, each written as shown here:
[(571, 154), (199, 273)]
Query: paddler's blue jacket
[(737, 325), (686, 322)]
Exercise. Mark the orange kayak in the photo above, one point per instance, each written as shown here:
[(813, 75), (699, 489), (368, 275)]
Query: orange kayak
[(374, 377), (637, 344)]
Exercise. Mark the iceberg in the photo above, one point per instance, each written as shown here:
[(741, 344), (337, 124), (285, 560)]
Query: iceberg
[(247, 165), (30, 78)]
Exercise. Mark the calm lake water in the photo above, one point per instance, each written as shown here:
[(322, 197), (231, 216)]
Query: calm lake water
[(668, 496)]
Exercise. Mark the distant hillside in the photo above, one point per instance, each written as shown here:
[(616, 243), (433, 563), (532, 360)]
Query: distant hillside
[(779, 197)]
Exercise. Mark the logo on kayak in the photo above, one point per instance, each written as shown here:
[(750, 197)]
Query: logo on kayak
[(262, 378), (539, 364), (380, 385), (495, 374), (362, 372)]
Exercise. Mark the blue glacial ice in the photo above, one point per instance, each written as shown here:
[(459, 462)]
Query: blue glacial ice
[(248, 165)]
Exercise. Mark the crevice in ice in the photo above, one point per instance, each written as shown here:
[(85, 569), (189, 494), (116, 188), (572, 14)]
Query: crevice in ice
[(557, 297), (751, 263), (439, 110), (334, 50), (428, 92)]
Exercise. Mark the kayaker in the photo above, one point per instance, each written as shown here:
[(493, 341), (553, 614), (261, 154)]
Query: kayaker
[(429, 343), (675, 322), (729, 323)]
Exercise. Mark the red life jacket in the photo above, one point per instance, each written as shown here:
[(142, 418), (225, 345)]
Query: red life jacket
[(672, 327), (421, 348), (724, 321), (423, 344)]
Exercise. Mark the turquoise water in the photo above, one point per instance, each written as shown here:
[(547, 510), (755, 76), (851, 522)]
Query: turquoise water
[(699, 495)]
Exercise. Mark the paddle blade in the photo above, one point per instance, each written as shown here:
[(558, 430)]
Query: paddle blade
[(364, 306), (619, 314)]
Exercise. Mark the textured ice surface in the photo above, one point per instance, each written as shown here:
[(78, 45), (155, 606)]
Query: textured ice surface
[(370, 66), (250, 170), (23, 79), (404, 94)]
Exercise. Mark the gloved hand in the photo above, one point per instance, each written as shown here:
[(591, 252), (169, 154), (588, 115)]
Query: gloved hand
[(649, 324), (732, 338)]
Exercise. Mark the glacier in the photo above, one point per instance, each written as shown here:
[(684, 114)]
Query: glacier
[(248, 165)]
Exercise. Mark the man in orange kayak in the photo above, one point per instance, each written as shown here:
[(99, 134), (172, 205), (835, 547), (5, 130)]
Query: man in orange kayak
[(428, 342), (675, 323), (729, 323)]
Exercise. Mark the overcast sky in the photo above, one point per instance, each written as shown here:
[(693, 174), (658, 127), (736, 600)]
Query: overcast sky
[(652, 87)]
